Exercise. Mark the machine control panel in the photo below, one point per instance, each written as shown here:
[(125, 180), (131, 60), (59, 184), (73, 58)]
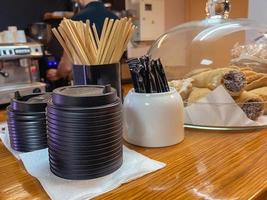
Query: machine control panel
[(21, 51), (16, 51)]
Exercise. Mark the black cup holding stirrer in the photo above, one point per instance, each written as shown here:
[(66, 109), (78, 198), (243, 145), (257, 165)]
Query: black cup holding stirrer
[(103, 74), (95, 57)]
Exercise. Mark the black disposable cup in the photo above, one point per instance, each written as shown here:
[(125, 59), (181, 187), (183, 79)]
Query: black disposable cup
[(90, 167), (85, 176), (113, 107), (84, 163), (83, 127), (83, 122), (73, 167), (86, 156), (30, 133), (31, 114), (80, 163), (81, 155), (28, 123), (86, 169), (98, 75), (75, 150), (84, 141), (86, 129), (25, 118), (77, 132), (27, 148), (30, 144), (39, 115), (84, 116), (28, 137), (78, 156), (28, 130), (24, 128), (89, 155), (87, 142), (83, 147), (22, 105), (21, 123), (74, 137), (84, 96), (26, 133)]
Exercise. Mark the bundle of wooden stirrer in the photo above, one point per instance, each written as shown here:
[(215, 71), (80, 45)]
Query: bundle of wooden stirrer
[(83, 45)]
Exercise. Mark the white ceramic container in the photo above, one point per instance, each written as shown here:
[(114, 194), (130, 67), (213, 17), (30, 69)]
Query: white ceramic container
[(12, 28), (20, 36), (153, 120), (8, 37)]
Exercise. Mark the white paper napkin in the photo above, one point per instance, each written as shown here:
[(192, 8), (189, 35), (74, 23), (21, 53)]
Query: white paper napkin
[(134, 166), (218, 108), (5, 139)]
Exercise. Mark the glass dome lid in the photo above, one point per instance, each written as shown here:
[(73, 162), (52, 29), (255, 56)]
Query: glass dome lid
[(215, 42)]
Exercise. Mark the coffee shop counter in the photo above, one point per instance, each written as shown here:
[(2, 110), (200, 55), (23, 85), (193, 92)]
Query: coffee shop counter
[(206, 165)]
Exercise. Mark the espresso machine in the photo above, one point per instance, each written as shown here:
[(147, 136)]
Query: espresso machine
[(19, 69)]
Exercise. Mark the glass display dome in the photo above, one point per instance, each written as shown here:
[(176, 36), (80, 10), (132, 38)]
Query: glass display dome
[(217, 51), (212, 43)]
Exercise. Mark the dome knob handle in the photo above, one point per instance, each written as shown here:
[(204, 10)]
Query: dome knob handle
[(218, 9)]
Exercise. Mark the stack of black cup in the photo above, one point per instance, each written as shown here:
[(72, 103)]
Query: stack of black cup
[(27, 122), (84, 132)]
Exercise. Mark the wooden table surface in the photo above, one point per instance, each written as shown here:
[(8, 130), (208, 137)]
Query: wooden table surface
[(207, 165)]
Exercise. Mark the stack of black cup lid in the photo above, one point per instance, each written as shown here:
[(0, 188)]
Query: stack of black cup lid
[(84, 132), (27, 122)]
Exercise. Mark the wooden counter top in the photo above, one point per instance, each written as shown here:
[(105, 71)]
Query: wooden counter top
[(207, 165)]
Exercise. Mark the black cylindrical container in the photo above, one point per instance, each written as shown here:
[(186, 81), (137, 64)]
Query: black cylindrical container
[(84, 126), (98, 75), (27, 122)]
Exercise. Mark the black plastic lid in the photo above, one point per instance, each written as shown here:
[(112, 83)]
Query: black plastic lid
[(84, 96), (30, 103)]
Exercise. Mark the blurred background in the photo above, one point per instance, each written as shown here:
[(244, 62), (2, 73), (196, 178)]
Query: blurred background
[(22, 13), (28, 50)]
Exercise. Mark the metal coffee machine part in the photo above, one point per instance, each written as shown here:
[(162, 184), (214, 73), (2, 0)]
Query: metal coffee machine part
[(19, 70)]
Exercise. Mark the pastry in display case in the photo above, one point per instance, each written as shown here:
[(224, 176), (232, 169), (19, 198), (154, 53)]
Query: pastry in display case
[(219, 67)]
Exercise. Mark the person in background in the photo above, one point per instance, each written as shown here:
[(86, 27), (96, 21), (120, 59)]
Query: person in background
[(96, 12)]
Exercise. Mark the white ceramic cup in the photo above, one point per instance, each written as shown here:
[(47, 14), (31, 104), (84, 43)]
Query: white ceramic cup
[(154, 120), (20, 36), (8, 37), (12, 28)]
